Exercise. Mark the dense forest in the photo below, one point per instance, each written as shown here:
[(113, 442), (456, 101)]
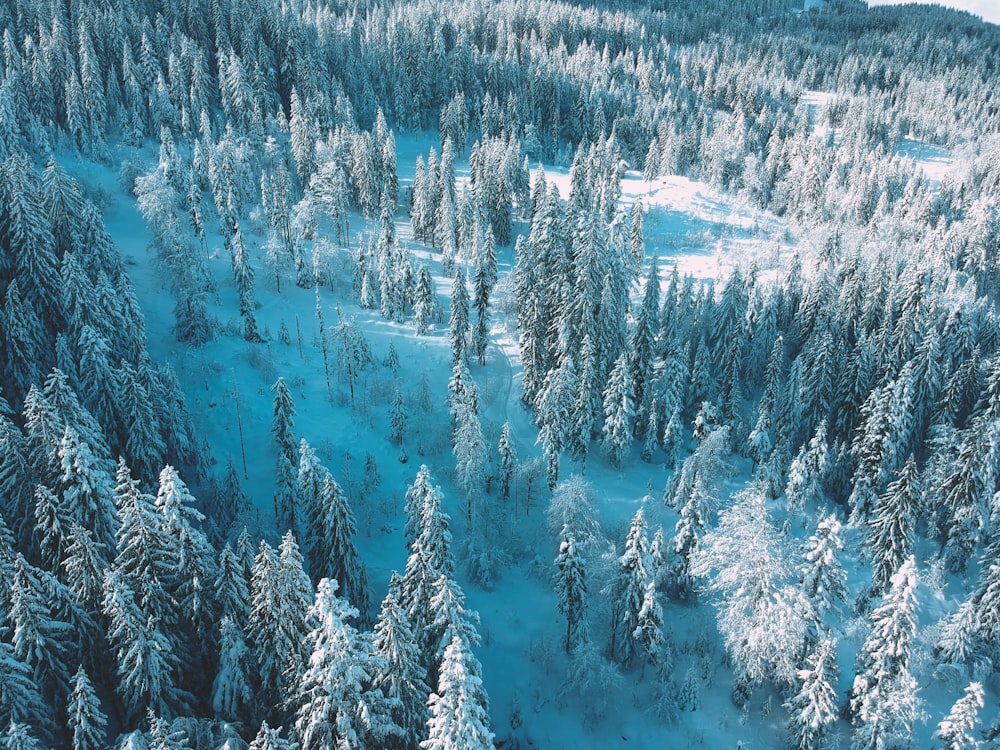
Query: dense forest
[(824, 431)]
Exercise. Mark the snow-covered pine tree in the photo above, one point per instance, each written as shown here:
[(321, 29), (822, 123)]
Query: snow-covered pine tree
[(808, 471), (459, 318), (883, 699), (648, 632), (20, 737), (398, 673), (571, 587), (459, 706), (20, 701), (955, 731), (84, 718), (890, 529), (508, 461), (823, 578), (619, 412), (232, 690), (147, 664), (268, 738), (554, 414), (282, 428), (336, 557), (279, 596), (628, 591), (813, 709), (335, 705)]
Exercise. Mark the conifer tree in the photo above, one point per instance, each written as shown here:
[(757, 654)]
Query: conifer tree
[(813, 709), (955, 730), (890, 530), (85, 720), (399, 675), (629, 590), (571, 587), (336, 557), (232, 691), (508, 460), (883, 702), (283, 430), (336, 707), (459, 706), (619, 410), (20, 700)]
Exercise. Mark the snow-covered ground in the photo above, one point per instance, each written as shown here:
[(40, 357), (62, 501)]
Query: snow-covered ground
[(227, 382)]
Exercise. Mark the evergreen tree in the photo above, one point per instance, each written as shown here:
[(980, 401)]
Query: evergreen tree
[(484, 280), (232, 691), (282, 428), (571, 587), (508, 460), (619, 410), (629, 590), (807, 472), (955, 730), (883, 696), (824, 580), (813, 709), (40, 640), (459, 320), (336, 557), (19, 737), (459, 706), (279, 596), (20, 700), (890, 539), (399, 674), (648, 632), (85, 720), (336, 707), (270, 739), (147, 664)]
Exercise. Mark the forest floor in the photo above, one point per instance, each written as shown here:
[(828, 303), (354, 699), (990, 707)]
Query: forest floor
[(688, 224)]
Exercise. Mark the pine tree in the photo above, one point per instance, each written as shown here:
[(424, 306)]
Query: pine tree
[(459, 710), (629, 590), (188, 583), (270, 739), (824, 580), (890, 539), (147, 664), (648, 632), (508, 460), (20, 700), (399, 674), (40, 640), (807, 472), (619, 410), (232, 691), (336, 557), (84, 717), (883, 696), (813, 709), (484, 280), (279, 596), (571, 587), (336, 708), (397, 418), (84, 566), (19, 737), (283, 430), (955, 730), (459, 320)]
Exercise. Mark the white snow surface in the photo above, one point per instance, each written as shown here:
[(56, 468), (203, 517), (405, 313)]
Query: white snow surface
[(688, 224)]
